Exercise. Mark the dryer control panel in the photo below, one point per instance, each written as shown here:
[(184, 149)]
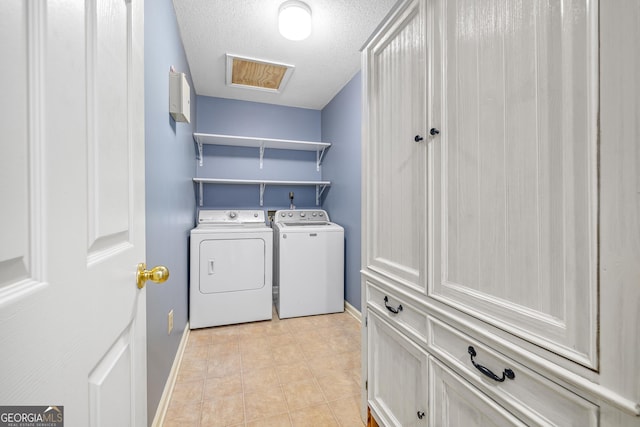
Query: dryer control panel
[(232, 216)]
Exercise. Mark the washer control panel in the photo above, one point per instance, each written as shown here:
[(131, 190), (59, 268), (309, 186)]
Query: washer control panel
[(301, 216), (230, 217)]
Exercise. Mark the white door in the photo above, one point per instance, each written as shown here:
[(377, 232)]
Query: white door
[(395, 149), (72, 321), (515, 168)]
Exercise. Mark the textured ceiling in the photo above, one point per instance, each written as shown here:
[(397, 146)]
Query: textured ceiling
[(324, 62)]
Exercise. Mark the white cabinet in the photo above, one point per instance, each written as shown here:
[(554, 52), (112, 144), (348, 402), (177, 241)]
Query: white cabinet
[(511, 222)]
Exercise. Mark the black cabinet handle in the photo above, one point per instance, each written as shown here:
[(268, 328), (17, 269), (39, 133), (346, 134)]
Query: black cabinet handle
[(434, 131), (420, 415), (391, 309), (507, 373), (417, 138)]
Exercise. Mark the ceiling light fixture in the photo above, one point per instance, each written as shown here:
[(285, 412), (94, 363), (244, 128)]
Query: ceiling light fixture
[(294, 20)]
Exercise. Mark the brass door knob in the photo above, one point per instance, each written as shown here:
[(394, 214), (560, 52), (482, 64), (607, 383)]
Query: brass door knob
[(158, 274)]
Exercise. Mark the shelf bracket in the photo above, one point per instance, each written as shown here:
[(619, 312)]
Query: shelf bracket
[(319, 190), (200, 193), (261, 155), (319, 157), (262, 187), (199, 144)]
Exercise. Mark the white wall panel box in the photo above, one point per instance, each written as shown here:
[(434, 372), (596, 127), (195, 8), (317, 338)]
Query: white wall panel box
[(179, 97)]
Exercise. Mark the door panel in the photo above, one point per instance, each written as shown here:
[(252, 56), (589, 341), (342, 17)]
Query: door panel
[(108, 114), (110, 385), (73, 186), (231, 265), (395, 210), (397, 375), (19, 183), (516, 182)]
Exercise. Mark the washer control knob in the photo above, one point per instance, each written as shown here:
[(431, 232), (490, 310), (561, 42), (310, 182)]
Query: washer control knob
[(302, 214), (255, 215), (321, 214), (232, 214), (315, 214), (290, 214), (283, 214)]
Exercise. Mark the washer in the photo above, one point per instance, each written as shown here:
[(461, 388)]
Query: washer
[(308, 263), (231, 268)]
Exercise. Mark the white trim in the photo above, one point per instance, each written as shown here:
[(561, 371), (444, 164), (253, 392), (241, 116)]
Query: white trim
[(37, 140), (163, 405), (352, 311)]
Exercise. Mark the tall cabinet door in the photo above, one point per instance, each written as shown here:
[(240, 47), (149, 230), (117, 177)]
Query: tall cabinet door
[(394, 149), (514, 176)]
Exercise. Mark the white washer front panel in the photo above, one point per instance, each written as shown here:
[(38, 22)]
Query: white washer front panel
[(310, 270), (232, 265)]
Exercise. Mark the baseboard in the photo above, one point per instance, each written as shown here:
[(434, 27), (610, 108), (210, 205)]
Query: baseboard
[(353, 311), (161, 412)]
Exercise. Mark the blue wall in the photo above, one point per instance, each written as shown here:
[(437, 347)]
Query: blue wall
[(341, 124), (170, 200), (242, 118)]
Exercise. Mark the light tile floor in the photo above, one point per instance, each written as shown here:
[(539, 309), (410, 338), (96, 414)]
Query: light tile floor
[(292, 372)]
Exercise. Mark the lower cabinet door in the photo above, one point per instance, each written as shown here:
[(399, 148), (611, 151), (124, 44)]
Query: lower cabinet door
[(397, 376), (454, 402)]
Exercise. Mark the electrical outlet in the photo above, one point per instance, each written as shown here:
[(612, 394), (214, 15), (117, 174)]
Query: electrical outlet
[(170, 322)]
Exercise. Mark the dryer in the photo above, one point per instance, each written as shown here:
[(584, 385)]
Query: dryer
[(230, 268), (308, 263)]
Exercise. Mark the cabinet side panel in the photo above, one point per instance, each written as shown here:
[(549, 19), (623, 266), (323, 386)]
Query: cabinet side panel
[(620, 206)]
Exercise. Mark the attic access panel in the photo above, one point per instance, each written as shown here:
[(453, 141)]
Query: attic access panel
[(257, 74)]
